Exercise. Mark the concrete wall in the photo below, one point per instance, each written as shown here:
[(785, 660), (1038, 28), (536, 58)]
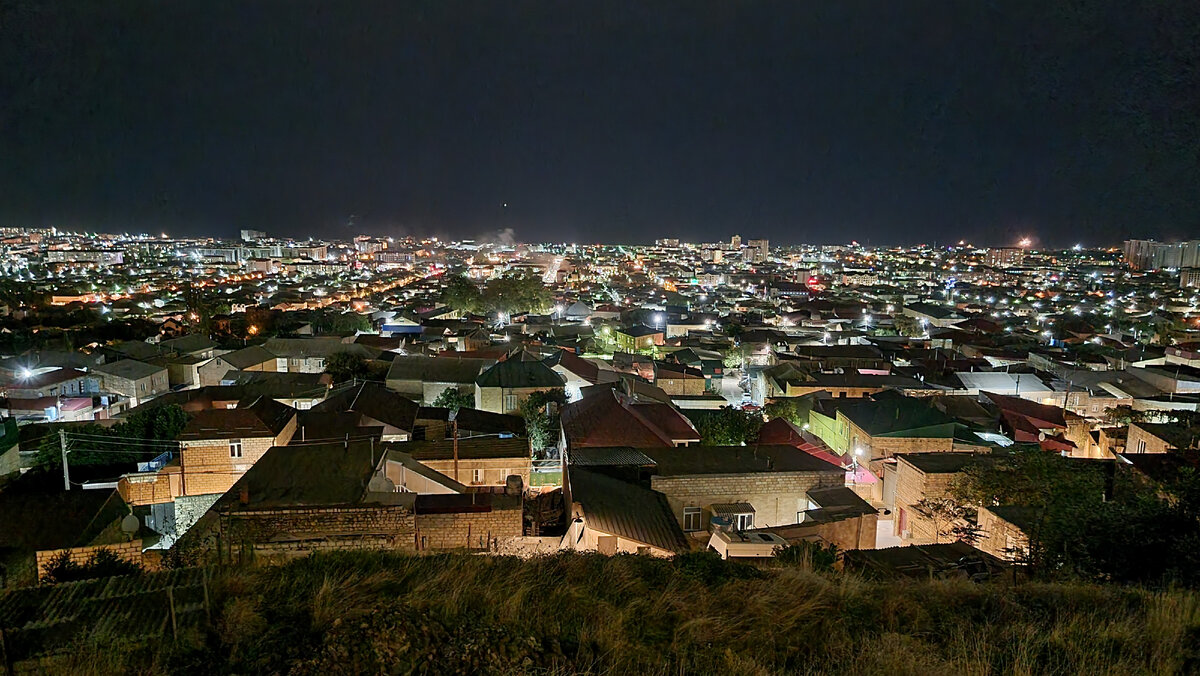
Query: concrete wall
[(777, 497), (494, 470), (913, 486), (1001, 538), (1137, 435)]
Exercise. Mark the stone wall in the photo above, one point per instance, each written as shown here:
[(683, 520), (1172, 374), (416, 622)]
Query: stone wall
[(777, 497), (288, 533), (148, 488), (1001, 538), (913, 486), (493, 471)]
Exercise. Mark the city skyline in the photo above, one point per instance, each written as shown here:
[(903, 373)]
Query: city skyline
[(799, 123)]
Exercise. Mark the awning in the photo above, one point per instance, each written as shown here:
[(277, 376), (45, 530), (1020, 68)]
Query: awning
[(731, 508)]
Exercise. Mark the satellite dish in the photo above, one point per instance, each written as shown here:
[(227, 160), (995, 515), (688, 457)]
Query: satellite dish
[(131, 524), (1041, 436), (380, 484)]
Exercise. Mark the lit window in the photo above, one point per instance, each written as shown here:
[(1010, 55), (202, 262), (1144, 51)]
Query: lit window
[(235, 448)]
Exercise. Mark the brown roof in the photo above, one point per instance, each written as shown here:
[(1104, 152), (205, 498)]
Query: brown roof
[(607, 417), (263, 418)]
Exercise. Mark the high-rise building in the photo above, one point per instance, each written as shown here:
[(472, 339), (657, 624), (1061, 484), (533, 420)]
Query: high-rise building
[(762, 249), (1189, 278), (1147, 254), (251, 235), (735, 242), (1004, 256)]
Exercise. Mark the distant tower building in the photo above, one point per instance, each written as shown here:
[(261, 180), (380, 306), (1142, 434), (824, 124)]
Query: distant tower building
[(1189, 278), (761, 248), (735, 242), (1004, 256), (251, 235), (1147, 254)]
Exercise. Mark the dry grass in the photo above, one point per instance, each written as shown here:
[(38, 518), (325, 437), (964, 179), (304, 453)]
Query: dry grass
[(358, 613)]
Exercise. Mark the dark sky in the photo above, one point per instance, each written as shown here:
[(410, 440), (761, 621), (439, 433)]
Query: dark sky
[(801, 121)]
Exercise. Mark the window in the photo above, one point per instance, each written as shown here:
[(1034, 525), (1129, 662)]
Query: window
[(1141, 446), (418, 433), (235, 448), (510, 402), (691, 518), (744, 521), (476, 476)]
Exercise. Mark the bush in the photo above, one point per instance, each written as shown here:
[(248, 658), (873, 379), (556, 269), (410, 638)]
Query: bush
[(103, 562)]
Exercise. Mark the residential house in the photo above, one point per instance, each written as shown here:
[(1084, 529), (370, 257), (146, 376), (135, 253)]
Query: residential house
[(474, 461), (624, 414), (679, 379), (1161, 437), (503, 386), (135, 380), (354, 495), (253, 358), (376, 407), (611, 516), (219, 445), (915, 477), (423, 378), (635, 338), (308, 355)]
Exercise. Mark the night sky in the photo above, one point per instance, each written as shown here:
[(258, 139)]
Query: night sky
[(802, 121)]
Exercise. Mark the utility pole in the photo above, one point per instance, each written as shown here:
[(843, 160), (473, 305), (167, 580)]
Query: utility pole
[(62, 439), (454, 433)]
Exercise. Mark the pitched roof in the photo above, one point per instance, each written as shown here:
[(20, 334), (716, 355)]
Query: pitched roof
[(437, 369), (310, 475), (247, 357), (375, 401), (264, 417), (626, 510), (607, 417), (129, 369), (518, 373)]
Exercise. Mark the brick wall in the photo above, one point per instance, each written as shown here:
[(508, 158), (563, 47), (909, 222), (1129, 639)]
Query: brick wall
[(777, 497), (912, 486), (471, 530), (1153, 444), (148, 488), (1000, 538), (129, 551), (208, 467)]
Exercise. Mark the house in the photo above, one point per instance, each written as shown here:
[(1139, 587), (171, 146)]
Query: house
[(473, 461), (375, 406), (710, 362), (54, 382), (635, 338), (929, 314), (253, 358), (622, 414), (611, 516), (747, 486), (679, 379), (503, 386), (349, 496), (423, 378), (1053, 428), (1161, 437), (308, 355), (915, 477), (219, 445), (135, 380), (578, 373), (191, 345)]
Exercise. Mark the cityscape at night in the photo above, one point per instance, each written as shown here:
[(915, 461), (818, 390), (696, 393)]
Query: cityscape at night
[(739, 338)]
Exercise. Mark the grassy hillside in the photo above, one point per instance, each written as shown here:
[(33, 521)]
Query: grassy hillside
[(378, 613)]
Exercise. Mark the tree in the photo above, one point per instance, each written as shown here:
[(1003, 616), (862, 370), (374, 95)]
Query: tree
[(541, 413), (735, 358), (726, 426), (344, 366), (461, 294), (792, 409), (908, 326), (99, 445), (950, 519), (453, 398)]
